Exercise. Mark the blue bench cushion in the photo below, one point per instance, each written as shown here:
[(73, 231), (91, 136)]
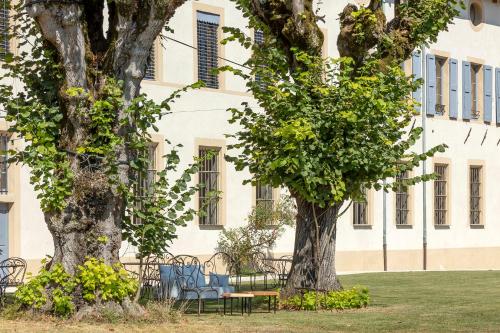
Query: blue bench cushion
[(219, 280), (207, 293), (169, 284)]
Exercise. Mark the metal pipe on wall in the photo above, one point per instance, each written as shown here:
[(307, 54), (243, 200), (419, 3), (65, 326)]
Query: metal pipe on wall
[(424, 164)]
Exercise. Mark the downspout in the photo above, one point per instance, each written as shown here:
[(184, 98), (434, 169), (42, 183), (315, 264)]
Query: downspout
[(424, 163), (384, 220)]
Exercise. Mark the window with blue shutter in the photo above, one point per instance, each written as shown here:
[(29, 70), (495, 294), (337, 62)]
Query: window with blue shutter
[(4, 163), (488, 92), (431, 85), (259, 40), (4, 232), (466, 90), (453, 107), (208, 48), (416, 64), (4, 29), (497, 90)]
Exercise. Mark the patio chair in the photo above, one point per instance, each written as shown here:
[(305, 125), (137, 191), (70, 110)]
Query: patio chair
[(190, 282), (12, 271), (221, 272), (261, 267), (152, 286)]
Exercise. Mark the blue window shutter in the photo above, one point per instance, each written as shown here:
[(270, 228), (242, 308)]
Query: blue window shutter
[(416, 65), (4, 232), (431, 84), (466, 90), (497, 89), (453, 107), (488, 92)]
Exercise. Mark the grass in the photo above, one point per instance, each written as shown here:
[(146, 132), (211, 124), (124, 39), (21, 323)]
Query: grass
[(401, 302)]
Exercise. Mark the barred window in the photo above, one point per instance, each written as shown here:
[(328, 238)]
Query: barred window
[(259, 40), (4, 29), (4, 146), (402, 200), (476, 84), (209, 180), (151, 65), (475, 194), (264, 196), (441, 194), (360, 211), (144, 187), (440, 89), (208, 48)]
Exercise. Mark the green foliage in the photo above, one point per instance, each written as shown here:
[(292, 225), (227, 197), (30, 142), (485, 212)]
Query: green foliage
[(39, 114), (33, 294), (265, 226), (98, 282), (355, 298), (104, 282)]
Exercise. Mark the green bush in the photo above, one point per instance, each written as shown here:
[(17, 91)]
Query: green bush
[(355, 298), (98, 281)]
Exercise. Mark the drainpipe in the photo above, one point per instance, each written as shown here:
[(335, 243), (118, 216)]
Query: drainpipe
[(384, 220), (424, 164)]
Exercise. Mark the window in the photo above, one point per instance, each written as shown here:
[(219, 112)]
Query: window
[(144, 187), (402, 200), (475, 194), (208, 48), (441, 194), (4, 146), (475, 14), (475, 85), (151, 65), (4, 29), (209, 180), (264, 196), (440, 85), (360, 211), (259, 37)]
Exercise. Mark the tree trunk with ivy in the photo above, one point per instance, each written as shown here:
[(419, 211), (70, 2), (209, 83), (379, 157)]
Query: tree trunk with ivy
[(94, 64)]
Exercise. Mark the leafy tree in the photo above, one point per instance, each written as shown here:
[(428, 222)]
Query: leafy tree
[(331, 128), (86, 127)]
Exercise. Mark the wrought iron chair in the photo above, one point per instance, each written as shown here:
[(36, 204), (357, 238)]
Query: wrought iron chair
[(190, 281), (221, 272), (261, 267), (152, 285), (12, 272)]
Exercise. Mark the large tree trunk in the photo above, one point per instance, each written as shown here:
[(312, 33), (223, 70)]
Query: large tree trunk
[(313, 266)]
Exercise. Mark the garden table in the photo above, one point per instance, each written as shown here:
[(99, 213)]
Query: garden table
[(266, 293), (245, 300)]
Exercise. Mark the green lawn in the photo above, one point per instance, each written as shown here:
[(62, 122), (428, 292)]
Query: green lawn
[(425, 302)]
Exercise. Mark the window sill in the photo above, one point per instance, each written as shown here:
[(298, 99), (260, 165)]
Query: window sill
[(441, 226), (362, 226), (404, 226), (477, 226), (211, 227)]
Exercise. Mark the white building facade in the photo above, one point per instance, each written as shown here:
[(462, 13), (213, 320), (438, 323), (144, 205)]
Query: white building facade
[(457, 216)]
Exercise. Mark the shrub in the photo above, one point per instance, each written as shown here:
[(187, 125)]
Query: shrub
[(355, 298), (98, 282)]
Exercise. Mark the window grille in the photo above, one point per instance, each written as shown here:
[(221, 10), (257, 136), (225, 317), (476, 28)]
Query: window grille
[(440, 63), (209, 180), (151, 65), (4, 165), (4, 29), (440, 194), (264, 196), (360, 210), (475, 195), (259, 40), (208, 48), (402, 200), (475, 82), (145, 182)]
